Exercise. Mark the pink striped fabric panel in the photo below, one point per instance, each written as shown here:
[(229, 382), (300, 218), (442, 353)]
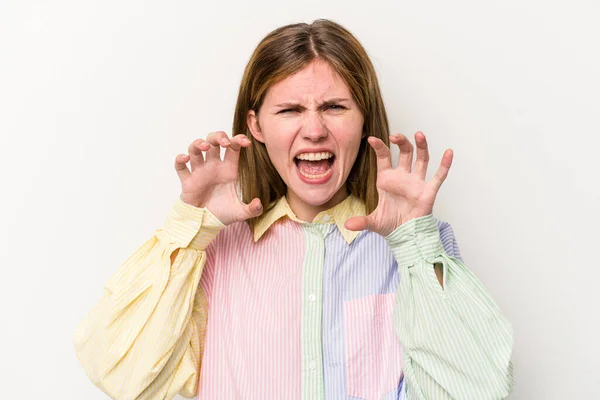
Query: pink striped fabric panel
[(252, 347), (373, 353)]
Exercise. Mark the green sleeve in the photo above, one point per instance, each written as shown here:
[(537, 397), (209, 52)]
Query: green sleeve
[(456, 343)]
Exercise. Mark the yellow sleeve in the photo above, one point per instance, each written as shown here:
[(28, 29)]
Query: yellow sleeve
[(144, 338)]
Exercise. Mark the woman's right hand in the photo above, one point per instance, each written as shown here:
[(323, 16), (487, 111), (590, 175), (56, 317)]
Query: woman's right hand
[(212, 182)]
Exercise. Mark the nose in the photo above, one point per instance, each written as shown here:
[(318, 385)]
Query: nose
[(314, 127)]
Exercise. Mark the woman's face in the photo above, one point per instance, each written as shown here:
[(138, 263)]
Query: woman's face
[(312, 128)]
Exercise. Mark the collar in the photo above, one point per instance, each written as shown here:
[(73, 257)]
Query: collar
[(351, 206)]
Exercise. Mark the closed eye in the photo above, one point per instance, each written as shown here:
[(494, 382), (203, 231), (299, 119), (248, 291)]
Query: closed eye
[(335, 107), (325, 107), (288, 110)]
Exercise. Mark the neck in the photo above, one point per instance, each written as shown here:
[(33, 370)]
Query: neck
[(307, 212)]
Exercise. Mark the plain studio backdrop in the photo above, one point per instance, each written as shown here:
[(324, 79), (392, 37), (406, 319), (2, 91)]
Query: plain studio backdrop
[(97, 98)]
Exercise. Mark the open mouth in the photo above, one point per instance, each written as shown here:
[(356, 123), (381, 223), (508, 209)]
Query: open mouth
[(315, 166)]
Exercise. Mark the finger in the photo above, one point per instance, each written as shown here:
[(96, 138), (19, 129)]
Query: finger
[(422, 156), (406, 151), (254, 208), (382, 152), (180, 166), (195, 150), (442, 172), (359, 223), (238, 141), (216, 140), (232, 154)]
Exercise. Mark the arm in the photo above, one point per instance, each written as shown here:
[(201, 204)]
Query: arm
[(456, 343), (143, 339)]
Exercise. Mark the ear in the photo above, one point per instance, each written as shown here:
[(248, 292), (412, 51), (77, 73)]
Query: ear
[(252, 122)]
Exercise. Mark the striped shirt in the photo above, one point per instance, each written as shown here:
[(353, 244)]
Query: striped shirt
[(296, 310)]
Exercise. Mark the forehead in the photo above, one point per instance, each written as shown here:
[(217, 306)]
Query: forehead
[(315, 82)]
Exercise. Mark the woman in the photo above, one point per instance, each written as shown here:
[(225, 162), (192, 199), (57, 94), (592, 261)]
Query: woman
[(343, 286)]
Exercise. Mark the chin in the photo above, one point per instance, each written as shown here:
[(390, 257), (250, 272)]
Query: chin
[(317, 198)]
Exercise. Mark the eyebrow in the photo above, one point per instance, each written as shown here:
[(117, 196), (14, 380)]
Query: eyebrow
[(325, 103)]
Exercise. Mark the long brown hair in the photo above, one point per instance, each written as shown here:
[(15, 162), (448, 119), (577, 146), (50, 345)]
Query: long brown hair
[(283, 52)]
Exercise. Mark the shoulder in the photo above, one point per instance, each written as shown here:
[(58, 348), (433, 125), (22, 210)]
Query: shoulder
[(443, 226), (448, 238), (237, 232), (237, 229)]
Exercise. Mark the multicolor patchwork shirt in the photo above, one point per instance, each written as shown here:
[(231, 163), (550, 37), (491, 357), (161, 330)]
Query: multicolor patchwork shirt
[(296, 310)]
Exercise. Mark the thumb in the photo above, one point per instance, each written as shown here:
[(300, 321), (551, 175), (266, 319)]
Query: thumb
[(357, 223), (254, 209)]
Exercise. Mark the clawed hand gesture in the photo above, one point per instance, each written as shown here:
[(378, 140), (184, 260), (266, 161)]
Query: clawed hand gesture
[(403, 192), (212, 182)]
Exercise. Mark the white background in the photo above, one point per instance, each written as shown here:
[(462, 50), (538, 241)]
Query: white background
[(97, 98)]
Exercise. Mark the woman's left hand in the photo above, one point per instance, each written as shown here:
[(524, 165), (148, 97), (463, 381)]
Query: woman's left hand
[(403, 193)]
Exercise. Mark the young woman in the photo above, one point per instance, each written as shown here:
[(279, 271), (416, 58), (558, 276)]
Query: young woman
[(329, 279)]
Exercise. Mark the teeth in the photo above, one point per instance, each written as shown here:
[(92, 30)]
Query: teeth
[(315, 156)]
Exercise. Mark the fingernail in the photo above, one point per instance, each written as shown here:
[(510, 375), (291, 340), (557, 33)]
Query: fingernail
[(225, 142)]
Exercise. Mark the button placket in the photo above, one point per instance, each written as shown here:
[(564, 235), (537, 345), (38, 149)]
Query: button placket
[(312, 287)]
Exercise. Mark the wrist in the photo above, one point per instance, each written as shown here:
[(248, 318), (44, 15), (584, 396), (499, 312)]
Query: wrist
[(418, 239), (191, 202)]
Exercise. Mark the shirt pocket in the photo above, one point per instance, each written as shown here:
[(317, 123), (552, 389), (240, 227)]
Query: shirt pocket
[(373, 352)]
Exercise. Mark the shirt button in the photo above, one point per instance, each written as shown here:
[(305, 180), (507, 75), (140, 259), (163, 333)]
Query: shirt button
[(194, 224), (312, 365), (312, 297), (419, 237), (326, 217)]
